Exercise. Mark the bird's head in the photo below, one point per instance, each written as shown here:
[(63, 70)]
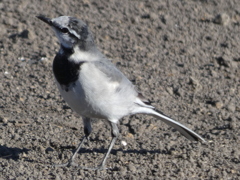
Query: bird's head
[(70, 32)]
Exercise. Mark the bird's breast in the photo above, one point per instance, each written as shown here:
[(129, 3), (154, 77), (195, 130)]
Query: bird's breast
[(66, 72)]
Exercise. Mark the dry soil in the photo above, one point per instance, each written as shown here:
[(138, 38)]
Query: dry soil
[(181, 54)]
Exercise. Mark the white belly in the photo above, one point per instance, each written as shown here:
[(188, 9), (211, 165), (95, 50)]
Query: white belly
[(95, 96), (76, 99)]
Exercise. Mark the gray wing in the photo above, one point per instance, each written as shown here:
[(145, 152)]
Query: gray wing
[(111, 71), (115, 75)]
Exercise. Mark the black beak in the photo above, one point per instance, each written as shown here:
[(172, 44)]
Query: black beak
[(45, 19)]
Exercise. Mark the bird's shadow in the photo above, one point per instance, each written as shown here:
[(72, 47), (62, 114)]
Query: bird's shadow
[(115, 151), (11, 152), (14, 152)]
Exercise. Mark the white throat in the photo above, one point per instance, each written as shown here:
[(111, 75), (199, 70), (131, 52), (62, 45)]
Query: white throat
[(79, 55)]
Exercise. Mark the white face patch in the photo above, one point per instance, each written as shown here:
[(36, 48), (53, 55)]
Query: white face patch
[(65, 38), (74, 33), (63, 22)]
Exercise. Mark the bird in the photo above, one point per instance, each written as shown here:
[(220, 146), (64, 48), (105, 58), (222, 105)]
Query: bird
[(94, 87)]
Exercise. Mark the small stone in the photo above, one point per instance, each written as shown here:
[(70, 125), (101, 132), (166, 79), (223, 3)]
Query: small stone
[(233, 124), (170, 90), (231, 107), (123, 171), (41, 148), (195, 83), (222, 19), (124, 143), (49, 150), (154, 16), (132, 168), (232, 91), (4, 119), (219, 105), (24, 34), (130, 135)]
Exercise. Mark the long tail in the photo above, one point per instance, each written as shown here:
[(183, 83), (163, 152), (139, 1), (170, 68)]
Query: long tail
[(188, 133)]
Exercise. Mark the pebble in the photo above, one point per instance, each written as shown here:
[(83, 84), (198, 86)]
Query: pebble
[(49, 149), (124, 143), (219, 105), (132, 167), (4, 119), (231, 107), (233, 123), (222, 19)]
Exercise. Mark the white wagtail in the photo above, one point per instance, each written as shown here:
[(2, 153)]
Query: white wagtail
[(93, 86)]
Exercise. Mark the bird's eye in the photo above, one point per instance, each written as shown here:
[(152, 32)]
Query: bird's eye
[(64, 30)]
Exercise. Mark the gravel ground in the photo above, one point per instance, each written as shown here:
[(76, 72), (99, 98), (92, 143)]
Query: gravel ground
[(181, 54)]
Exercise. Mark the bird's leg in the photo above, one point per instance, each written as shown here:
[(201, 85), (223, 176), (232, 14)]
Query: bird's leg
[(115, 134), (87, 127), (87, 132)]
